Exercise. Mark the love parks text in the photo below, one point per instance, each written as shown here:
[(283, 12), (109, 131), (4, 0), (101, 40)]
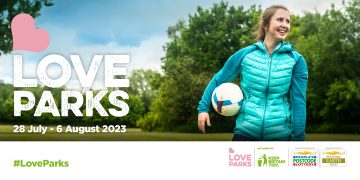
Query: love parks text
[(47, 103), (240, 160)]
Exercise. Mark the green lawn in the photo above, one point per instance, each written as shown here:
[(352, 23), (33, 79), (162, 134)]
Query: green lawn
[(6, 134)]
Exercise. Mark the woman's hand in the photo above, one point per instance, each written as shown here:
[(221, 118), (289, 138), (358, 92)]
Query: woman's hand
[(202, 118)]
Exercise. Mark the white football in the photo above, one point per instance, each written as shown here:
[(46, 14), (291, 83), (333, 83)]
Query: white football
[(227, 99)]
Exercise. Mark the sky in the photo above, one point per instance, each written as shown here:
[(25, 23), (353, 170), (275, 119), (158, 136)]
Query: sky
[(134, 27)]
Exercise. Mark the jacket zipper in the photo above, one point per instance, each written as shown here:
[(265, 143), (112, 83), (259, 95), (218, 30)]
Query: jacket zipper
[(267, 91)]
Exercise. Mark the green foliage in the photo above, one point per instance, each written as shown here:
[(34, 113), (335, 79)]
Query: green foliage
[(5, 102), (8, 10), (198, 48), (136, 111), (27, 117), (145, 85), (330, 44), (210, 36), (144, 88), (196, 51), (343, 98)]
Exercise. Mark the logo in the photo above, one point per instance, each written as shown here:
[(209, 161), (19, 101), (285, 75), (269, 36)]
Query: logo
[(262, 161), (271, 157), (239, 159), (334, 157), (26, 36), (304, 158), (269, 161)]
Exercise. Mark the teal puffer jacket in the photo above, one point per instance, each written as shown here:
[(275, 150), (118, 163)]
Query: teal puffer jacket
[(274, 88)]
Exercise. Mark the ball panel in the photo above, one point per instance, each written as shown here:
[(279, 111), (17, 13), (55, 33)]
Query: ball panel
[(227, 99)]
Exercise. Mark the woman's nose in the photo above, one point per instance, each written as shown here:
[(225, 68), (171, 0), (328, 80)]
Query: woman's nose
[(285, 25)]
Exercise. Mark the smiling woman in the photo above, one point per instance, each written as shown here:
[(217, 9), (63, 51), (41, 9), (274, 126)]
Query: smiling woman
[(274, 26), (273, 79)]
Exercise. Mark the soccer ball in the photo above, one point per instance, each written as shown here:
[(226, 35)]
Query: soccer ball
[(227, 99)]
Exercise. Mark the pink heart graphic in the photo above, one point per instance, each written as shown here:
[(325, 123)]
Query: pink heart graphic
[(26, 37)]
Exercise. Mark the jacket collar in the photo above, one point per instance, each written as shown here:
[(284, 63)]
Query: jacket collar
[(282, 46)]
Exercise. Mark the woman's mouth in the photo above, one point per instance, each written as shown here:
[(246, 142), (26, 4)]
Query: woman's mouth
[(282, 31)]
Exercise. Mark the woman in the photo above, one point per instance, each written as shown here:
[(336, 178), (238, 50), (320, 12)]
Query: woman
[(273, 78)]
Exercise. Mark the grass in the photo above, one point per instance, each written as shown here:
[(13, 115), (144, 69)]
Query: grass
[(6, 134)]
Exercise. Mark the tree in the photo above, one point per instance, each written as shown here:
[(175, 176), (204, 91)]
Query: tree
[(330, 43), (145, 84), (6, 91), (198, 48), (8, 10), (196, 51), (136, 111)]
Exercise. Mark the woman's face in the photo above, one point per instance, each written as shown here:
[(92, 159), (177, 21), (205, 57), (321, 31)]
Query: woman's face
[(279, 25)]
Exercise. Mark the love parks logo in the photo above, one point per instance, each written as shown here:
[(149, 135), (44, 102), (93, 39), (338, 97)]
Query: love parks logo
[(307, 158), (27, 37), (239, 159)]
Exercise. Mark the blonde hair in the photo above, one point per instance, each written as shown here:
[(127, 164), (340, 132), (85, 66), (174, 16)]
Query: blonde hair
[(265, 20)]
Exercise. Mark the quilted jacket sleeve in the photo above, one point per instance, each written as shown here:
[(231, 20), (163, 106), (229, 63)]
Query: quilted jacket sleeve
[(228, 73), (298, 99)]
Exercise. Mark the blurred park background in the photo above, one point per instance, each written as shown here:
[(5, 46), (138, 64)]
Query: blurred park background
[(163, 103)]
